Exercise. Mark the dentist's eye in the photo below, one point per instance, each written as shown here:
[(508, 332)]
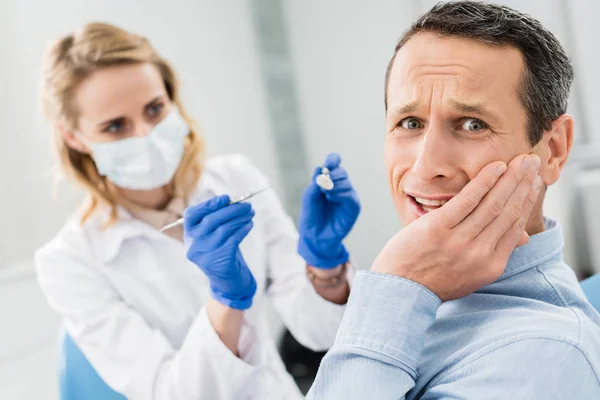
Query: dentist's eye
[(411, 123), (473, 125), (115, 126), (155, 110)]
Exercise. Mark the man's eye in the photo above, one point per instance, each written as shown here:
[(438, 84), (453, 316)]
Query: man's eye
[(411, 123), (474, 125)]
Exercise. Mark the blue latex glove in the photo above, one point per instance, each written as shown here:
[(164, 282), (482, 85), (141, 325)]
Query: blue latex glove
[(327, 216), (213, 231)]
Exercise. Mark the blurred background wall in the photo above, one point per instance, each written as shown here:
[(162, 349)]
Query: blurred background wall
[(283, 81)]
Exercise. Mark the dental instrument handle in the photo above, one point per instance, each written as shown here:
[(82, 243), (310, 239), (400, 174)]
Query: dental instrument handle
[(235, 201)]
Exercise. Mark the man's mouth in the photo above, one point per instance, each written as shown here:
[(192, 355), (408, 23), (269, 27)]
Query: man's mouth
[(429, 205), (423, 205)]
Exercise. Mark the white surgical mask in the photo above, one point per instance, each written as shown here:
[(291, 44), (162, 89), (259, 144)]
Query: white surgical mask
[(143, 163)]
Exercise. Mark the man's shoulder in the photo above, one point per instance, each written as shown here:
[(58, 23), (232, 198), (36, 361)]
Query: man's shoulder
[(542, 300), (540, 364), (487, 320), (532, 304), (506, 353), (543, 309)]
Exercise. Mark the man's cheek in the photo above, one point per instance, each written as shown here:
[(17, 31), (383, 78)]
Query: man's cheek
[(507, 146), (486, 152), (393, 163), (400, 154), (389, 156)]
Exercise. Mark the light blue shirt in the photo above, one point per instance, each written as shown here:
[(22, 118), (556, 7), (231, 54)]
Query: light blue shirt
[(529, 335)]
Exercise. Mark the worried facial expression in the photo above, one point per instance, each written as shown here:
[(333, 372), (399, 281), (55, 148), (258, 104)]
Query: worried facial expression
[(453, 107)]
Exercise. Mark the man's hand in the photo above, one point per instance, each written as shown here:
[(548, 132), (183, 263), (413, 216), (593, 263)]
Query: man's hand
[(465, 244)]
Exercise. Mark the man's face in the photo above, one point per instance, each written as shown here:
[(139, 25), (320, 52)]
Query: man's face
[(452, 108)]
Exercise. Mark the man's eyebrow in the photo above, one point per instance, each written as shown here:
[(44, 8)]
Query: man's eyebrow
[(478, 109), (404, 109), (475, 108)]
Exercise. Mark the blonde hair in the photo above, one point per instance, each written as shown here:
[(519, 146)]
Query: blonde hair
[(70, 60)]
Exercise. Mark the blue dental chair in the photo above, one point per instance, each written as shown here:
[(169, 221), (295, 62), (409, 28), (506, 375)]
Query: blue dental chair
[(591, 288), (77, 379)]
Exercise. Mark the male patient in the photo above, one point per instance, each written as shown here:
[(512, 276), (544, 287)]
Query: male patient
[(472, 298)]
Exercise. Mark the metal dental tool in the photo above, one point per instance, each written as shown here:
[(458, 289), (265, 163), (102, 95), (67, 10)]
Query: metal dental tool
[(245, 197)]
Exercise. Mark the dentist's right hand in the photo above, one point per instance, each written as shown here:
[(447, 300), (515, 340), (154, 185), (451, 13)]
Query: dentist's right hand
[(213, 231)]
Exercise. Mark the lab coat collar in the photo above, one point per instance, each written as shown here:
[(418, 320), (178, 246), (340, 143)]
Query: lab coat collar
[(106, 242)]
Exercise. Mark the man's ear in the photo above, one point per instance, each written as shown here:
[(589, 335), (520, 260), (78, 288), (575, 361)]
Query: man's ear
[(71, 139), (554, 148)]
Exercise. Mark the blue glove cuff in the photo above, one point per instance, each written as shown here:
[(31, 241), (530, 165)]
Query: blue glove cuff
[(237, 304), (338, 255), (238, 301)]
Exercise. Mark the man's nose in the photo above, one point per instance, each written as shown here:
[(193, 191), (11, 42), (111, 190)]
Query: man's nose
[(435, 156)]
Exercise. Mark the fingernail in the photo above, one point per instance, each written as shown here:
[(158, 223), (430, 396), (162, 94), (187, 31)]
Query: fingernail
[(537, 183), (500, 169), (536, 162), (526, 163)]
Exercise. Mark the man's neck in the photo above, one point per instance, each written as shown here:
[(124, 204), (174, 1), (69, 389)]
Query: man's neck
[(535, 224)]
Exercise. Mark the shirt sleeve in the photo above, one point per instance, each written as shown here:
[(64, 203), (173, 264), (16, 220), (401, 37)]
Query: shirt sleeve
[(526, 368), (136, 359), (311, 319), (379, 342)]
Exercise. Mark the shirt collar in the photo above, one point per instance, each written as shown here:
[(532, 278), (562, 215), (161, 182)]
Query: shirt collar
[(159, 218), (106, 241), (542, 247)]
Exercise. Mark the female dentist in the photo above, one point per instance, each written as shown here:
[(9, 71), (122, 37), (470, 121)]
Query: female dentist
[(180, 314)]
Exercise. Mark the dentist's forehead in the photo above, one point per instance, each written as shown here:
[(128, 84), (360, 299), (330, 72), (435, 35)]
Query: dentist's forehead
[(116, 90)]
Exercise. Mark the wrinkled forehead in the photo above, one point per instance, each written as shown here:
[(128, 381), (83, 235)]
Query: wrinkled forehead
[(467, 68)]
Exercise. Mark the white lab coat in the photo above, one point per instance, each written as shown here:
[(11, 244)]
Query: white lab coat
[(135, 305)]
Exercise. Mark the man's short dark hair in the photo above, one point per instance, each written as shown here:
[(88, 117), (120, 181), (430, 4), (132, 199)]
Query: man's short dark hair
[(546, 81)]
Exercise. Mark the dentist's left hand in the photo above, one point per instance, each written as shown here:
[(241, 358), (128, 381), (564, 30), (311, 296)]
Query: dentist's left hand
[(213, 233), (327, 216)]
